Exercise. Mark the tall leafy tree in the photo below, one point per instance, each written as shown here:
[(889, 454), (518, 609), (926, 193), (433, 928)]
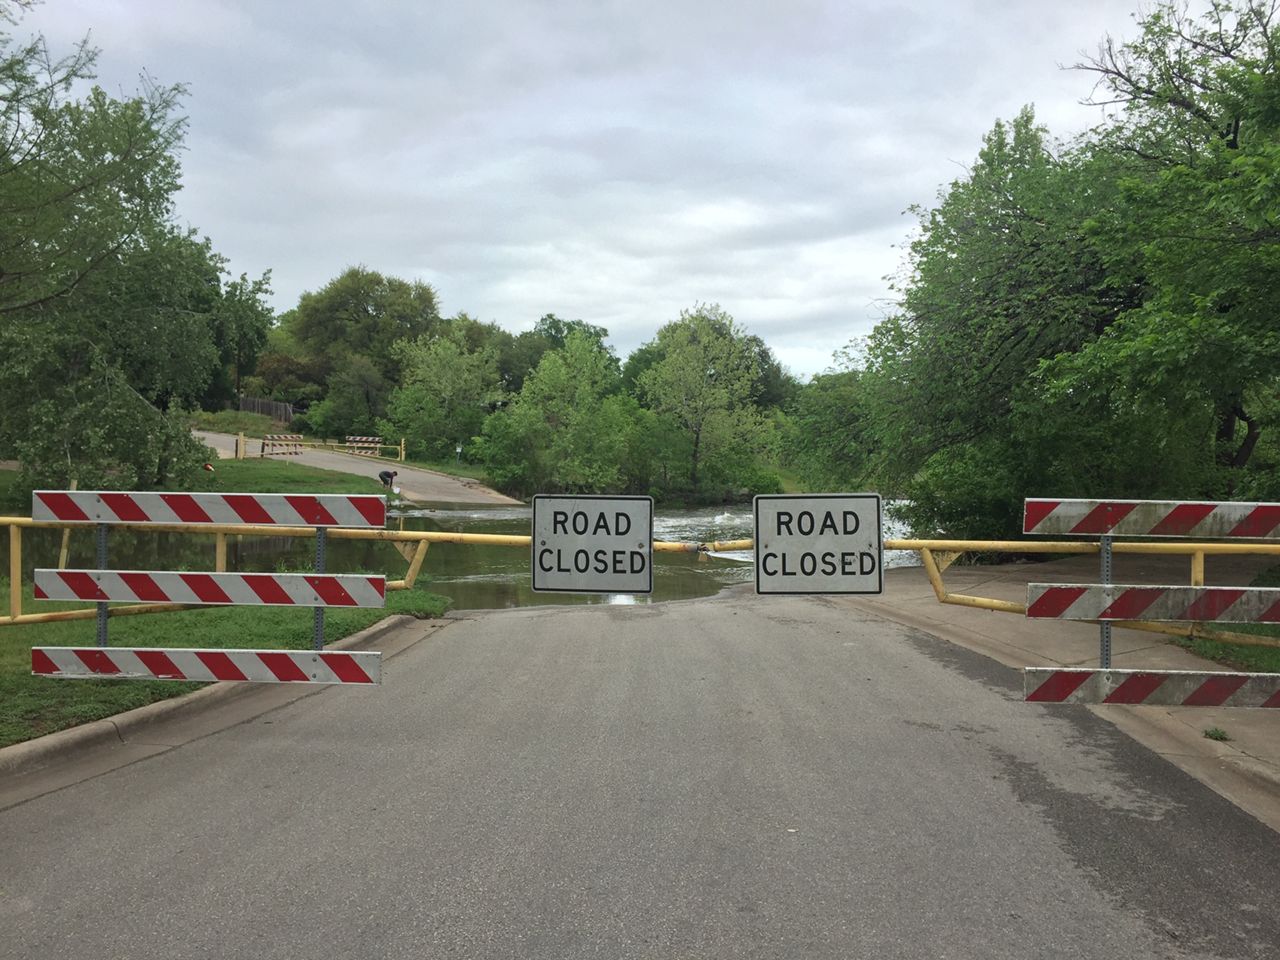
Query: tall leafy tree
[(362, 311), (446, 391), (703, 384), (1199, 124), (241, 320), (109, 314), (80, 179), (571, 429)]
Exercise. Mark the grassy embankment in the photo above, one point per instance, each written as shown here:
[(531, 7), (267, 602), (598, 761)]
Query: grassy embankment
[(236, 421), (31, 706)]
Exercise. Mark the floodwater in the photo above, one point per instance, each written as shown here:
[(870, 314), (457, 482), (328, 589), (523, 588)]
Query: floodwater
[(474, 577)]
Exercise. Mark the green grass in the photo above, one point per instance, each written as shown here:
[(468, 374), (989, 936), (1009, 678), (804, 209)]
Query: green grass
[(1217, 733), (237, 476), (32, 706), (451, 467), (1241, 656), (280, 476), (236, 421)]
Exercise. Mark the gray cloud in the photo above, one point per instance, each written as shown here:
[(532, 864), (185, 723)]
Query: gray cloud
[(611, 161)]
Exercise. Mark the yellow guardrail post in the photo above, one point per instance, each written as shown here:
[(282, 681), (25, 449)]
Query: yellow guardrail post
[(15, 571), (415, 565), (933, 573), (220, 552), (402, 449)]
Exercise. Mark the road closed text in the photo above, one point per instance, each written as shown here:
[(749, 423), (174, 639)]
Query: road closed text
[(846, 563), (591, 544), (591, 561), (824, 543)]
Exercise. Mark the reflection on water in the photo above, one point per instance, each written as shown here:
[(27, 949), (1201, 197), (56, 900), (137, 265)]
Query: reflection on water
[(474, 577)]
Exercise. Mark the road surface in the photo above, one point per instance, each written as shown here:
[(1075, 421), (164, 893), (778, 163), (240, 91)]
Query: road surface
[(728, 778), (421, 486)]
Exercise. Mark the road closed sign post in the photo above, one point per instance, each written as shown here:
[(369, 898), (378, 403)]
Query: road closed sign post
[(592, 544), (824, 543)]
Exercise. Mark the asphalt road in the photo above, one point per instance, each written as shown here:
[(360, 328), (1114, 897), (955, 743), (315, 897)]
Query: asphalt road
[(420, 486), (728, 778)]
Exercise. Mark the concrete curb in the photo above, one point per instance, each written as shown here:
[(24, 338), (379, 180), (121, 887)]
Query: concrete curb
[(31, 755)]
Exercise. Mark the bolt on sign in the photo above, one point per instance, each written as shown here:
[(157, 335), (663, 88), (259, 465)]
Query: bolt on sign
[(592, 544), (825, 543)]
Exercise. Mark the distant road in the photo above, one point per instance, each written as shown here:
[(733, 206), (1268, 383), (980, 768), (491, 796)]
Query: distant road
[(415, 484)]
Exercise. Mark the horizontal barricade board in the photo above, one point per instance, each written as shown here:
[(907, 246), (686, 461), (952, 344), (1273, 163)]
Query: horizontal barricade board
[(1152, 518), (257, 666), (273, 589), (1119, 601), (272, 509), (1170, 688)]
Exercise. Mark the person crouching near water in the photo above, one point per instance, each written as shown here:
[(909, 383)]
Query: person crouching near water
[(387, 476)]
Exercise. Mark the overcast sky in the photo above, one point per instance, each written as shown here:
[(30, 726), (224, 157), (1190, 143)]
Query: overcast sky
[(605, 161)]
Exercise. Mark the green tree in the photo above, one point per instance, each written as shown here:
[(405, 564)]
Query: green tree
[(1003, 275), (826, 440), (571, 429), (703, 384), (1097, 321), (112, 319), (363, 312), (79, 179), (354, 400), (284, 371), (240, 320), (446, 391), (93, 379), (1200, 128)]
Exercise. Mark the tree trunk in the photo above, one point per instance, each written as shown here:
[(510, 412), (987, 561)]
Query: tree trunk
[(693, 472), (1226, 437)]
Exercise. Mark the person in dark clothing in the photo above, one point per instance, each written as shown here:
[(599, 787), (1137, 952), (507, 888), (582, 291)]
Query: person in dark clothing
[(386, 476)]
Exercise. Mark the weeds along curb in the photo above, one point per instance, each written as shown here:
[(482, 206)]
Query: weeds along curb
[(31, 755)]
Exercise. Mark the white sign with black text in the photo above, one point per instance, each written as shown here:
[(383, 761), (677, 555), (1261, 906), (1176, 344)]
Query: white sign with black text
[(588, 544), (822, 543)]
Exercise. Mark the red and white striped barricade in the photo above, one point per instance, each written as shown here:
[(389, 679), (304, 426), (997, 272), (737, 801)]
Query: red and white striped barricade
[(273, 509), (365, 446), (288, 444), (1106, 602), (1168, 688), (258, 666), (1152, 518), (317, 590), (1100, 602), (238, 589)]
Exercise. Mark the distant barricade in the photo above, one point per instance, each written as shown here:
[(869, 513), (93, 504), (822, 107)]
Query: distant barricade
[(283, 443), (365, 446)]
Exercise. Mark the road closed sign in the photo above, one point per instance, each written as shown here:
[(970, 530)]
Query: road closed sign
[(592, 544), (824, 543)]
